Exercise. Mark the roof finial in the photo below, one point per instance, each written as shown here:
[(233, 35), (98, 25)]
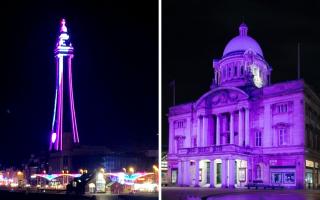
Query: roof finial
[(243, 29), (63, 27)]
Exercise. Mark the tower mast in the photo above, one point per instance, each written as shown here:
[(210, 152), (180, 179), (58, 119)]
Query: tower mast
[(63, 57)]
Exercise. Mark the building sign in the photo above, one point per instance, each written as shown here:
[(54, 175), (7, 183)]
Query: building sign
[(309, 163), (273, 162), (316, 165)]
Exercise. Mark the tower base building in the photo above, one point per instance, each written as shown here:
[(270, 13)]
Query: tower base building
[(245, 128)]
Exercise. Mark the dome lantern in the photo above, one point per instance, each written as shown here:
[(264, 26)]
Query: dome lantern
[(243, 29)]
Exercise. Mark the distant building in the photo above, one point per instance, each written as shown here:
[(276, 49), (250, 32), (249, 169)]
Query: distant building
[(245, 128), (74, 157)]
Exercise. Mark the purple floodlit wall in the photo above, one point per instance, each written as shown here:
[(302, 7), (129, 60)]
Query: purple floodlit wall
[(63, 50), (245, 128)]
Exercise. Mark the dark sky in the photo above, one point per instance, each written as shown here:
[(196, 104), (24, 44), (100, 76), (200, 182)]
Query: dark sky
[(195, 32), (115, 73)]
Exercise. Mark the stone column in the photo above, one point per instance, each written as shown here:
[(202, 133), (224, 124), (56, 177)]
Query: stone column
[(231, 173), (199, 132), (218, 130), (205, 131), (197, 174), (247, 127), (212, 173), (231, 128), (171, 137), (186, 173), (180, 173), (240, 128), (224, 172)]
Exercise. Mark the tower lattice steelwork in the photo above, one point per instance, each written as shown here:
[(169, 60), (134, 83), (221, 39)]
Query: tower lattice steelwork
[(63, 57)]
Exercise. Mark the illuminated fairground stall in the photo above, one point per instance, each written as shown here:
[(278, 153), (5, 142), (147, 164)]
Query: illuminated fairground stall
[(56, 181), (245, 128)]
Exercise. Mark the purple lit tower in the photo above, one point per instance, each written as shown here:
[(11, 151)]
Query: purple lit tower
[(63, 56), (244, 128)]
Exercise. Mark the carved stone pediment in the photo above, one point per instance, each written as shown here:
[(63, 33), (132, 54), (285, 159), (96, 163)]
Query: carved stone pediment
[(221, 96)]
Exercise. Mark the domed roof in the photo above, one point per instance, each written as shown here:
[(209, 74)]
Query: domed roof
[(242, 42)]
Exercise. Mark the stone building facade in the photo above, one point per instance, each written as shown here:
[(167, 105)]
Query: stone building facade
[(245, 128)]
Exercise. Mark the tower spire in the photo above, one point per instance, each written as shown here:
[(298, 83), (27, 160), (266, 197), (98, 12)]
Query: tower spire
[(63, 27)]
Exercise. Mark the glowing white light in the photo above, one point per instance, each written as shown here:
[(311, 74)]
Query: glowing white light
[(257, 80), (100, 175), (53, 137)]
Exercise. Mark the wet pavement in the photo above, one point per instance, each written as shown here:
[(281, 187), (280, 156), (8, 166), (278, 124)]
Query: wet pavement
[(184, 193)]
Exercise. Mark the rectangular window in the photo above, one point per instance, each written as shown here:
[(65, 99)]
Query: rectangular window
[(282, 108), (208, 172), (276, 178), (289, 178), (180, 124), (218, 173), (174, 176), (258, 139), (283, 136)]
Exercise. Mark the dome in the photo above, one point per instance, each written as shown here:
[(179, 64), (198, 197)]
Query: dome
[(242, 42)]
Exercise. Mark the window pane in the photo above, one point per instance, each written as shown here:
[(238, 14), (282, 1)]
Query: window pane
[(289, 177)]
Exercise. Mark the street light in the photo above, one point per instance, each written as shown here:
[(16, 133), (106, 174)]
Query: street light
[(155, 168), (131, 170), (81, 171)]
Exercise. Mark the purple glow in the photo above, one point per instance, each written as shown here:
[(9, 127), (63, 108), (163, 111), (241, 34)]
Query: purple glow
[(50, 177), (245, 128), (242, 42), (63, 50)]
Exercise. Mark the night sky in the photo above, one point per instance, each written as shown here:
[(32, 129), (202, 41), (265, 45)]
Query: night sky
[(195, 32), (115, 73)]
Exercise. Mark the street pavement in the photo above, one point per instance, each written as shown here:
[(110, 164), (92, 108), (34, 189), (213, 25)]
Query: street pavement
[(184, 193)]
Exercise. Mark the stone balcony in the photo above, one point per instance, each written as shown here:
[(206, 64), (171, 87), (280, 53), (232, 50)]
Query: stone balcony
[(229, 148)]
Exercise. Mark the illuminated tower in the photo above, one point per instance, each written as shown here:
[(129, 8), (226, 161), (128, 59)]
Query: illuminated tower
[(63, 56)]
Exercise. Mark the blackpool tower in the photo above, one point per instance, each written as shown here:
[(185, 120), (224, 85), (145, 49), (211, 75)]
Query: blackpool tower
[(63, 57)]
